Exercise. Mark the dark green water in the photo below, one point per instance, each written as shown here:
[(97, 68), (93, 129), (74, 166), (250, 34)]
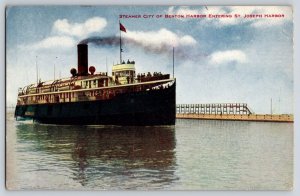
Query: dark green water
[(193, 155)]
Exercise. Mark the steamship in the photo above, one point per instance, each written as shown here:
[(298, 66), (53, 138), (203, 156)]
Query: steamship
[(91, 98)]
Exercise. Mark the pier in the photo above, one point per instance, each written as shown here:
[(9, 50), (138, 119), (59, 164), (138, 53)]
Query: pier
[(227, 111)]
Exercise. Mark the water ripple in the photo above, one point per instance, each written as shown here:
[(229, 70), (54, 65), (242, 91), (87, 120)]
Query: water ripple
[(193, 155)]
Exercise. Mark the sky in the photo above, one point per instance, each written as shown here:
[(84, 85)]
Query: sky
[(217, 60)]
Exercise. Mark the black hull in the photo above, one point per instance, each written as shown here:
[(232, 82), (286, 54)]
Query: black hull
[(154, 107)]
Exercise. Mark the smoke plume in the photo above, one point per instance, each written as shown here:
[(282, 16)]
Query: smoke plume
[(102, 41), (182, 52)]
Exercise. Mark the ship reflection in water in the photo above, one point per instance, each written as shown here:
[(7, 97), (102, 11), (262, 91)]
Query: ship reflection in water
[(193, 155), (113, 157)]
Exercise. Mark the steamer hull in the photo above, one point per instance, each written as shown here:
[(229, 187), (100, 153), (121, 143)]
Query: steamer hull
[(153, 107), (91, 98)]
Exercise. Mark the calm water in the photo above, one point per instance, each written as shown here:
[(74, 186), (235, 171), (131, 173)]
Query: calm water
[(193, 155)]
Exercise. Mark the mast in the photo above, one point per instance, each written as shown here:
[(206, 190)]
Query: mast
[(120, 43), (271, 107), (54, 72), (37, 71), (279, 108), (173, 62), (106, 66), (122, 28), (54, 66)]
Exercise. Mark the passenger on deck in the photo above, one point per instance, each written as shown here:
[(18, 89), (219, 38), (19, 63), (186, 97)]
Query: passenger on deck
[(127, 79)]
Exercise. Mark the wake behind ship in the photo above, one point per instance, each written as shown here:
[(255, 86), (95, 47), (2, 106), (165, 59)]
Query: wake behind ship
[(90, 98)]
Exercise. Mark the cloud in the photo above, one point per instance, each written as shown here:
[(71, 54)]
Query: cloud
[(66, 35), (223, 57), (232, 10), (163, 38), (51, 42), (92, 25)]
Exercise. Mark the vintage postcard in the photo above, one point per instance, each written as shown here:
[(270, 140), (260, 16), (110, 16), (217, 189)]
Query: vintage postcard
[(149, 98)]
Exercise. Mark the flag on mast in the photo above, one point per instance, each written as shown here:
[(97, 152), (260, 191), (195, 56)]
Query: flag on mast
[(122, 28)]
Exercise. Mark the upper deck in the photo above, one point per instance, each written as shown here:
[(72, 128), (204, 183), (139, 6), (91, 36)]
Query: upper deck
[(87, 88)]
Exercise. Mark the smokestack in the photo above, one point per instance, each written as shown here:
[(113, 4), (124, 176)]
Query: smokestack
[(82, 50)]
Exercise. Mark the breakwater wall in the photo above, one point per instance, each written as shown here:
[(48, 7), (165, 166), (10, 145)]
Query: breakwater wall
[(227, 111)]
